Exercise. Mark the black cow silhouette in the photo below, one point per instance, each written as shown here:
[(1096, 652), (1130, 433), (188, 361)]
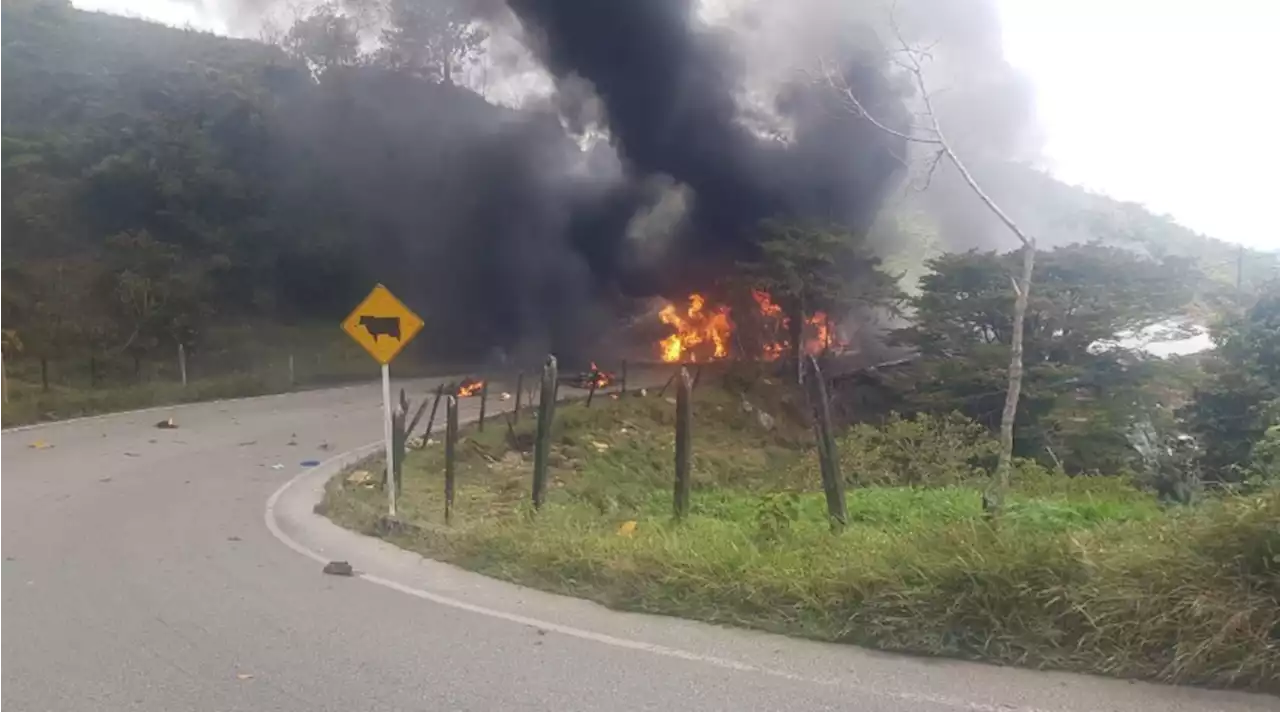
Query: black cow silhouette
[(381, 325)]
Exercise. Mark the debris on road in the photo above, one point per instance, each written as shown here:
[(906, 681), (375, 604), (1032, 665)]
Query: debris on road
[(133, 454), (247, 443), (325, 446), (506, 396), (277, 466), (338, 568), (167, 424), (40, 445), (244, 676), (309, 463)]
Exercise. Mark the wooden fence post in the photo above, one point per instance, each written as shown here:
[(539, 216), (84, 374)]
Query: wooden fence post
[(542, 445), (828, 458), (417, 416), (519, 392), (591, 392), (398, 440), (684, 443), (667, 385), (450, 449), (484, 402), (182, 363), (434, 406)]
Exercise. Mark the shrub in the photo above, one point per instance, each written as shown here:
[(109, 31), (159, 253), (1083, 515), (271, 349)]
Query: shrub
[(927, 450)]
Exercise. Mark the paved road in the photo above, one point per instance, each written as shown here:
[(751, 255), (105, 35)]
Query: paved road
[(140, 573)]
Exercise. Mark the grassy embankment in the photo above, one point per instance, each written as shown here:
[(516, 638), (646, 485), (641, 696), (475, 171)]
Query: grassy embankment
[(1086, 574), (234, 362)]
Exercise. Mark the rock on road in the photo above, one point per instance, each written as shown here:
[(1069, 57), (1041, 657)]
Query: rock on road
[(140, 573)]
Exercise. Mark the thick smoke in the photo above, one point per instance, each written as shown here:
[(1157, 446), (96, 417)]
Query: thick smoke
[(669, 87), (640, 144)]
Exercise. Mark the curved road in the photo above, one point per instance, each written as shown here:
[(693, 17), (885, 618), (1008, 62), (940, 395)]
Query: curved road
[(145, 569)]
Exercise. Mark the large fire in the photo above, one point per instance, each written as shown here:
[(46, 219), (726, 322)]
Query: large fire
[(703, 333), (694, 328)]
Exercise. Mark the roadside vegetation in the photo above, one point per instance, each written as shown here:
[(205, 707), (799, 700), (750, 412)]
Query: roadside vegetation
[(1084, 573), (226, 362)]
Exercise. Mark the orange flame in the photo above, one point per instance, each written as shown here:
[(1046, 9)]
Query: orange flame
[(696, 330), (469, 387), (601, 378), (705, 334), (765, 301)]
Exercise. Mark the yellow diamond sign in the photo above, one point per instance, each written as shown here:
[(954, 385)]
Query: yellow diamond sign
[(382, 324)]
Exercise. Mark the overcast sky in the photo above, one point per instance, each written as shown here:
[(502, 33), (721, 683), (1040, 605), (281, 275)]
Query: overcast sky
[(1170, 103)]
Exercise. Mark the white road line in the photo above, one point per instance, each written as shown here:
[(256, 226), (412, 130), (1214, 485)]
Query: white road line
[(603, 638)]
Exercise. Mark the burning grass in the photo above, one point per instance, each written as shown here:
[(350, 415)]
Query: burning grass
[(1086, 574)]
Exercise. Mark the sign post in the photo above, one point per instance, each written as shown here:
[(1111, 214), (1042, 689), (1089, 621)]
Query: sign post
[(383, 325)]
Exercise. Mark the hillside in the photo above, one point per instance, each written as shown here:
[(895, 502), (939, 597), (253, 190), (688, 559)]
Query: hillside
[(162, 180), (1067, 214)]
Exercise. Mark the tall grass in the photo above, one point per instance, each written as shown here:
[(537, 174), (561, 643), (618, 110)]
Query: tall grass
[(1085, 574)]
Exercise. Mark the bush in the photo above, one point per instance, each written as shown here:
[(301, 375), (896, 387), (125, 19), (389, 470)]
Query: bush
[(927, 450)]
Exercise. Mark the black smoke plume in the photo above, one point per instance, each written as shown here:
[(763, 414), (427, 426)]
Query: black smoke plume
[(669, 88), (507, 234)]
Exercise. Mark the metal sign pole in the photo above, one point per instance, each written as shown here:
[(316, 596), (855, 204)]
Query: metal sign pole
[(386, 429)]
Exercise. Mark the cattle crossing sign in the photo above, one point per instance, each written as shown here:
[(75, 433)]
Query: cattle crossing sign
[(382, 324)]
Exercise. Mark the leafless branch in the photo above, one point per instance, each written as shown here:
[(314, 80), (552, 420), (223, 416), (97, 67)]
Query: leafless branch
[(838, 82), (933, 166), (909, 59)]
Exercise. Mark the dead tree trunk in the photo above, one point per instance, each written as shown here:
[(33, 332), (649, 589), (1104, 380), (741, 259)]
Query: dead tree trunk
[(1022, 287), (932, 135)]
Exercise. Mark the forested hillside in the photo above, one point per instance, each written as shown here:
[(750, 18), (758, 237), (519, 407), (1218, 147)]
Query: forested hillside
[(163, 181)]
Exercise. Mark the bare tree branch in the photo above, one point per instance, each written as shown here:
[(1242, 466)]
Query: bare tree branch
[(909, 59)]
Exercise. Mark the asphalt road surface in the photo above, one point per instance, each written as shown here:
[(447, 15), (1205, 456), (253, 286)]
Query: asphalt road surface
[(170, 570)]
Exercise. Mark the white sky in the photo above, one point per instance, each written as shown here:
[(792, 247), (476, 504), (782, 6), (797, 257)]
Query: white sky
[(1170, 103)]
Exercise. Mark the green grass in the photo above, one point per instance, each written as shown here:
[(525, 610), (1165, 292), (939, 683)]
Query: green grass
[(1085, 574)]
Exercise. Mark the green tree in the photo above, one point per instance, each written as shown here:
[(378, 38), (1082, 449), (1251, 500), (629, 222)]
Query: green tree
[(158, 297), (1233, 411), (1082, 390), (325, 39), (809, 269), (431, 39)]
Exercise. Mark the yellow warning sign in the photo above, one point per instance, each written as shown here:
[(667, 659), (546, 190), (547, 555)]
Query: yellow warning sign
[(382, 324)]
